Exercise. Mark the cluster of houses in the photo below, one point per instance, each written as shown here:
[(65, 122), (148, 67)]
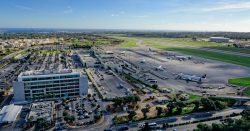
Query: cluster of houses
[(21, 43)]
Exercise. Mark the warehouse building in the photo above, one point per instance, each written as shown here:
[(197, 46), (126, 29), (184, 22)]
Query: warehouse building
[(47, 85), (219, 39)]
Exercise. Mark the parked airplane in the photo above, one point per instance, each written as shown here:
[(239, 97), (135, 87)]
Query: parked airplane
[(193, 78), (159, 68), (182, 58)]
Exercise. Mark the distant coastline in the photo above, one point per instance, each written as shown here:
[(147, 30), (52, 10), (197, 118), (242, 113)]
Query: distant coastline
[(57, 30), (39, 30)]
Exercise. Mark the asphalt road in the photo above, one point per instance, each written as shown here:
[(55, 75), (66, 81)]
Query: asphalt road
[(182, 119), (14, 53)]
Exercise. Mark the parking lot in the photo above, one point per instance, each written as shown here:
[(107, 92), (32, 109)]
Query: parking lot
[(110, 85), (83, 110)]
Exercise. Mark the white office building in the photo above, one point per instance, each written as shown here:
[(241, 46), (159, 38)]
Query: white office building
[(219, 39), (44, 85)]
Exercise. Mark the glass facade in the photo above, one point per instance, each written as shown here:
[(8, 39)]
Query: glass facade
[(46, 87)]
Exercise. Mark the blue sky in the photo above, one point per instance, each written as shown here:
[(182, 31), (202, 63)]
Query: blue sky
[(201, 15)]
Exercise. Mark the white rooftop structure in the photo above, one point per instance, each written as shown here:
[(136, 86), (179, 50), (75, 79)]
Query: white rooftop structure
[(9, 113), (219, 39), (45, 72)]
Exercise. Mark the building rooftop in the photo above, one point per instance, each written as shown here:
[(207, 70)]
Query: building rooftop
[(9, 113), (41, 110), (218, 38), (45, 72)]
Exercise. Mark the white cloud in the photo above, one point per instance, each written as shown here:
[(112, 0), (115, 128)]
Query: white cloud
[(114, 15), (237, 26), (141, 16), (118, 14), (229, 6), (217, 6), (23, 7), (122, 12), (68, 10)]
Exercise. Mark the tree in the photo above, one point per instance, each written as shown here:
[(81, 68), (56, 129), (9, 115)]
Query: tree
[(219, 105), (145, 111), (170, 107), (159, 110), (131, 115), (65, 113), (242, 124), (246, 115), (196, 105), (42, 123), (154, 86), (203, 127), (194, 38), (69, 118), (207, 104), (179, 105), (217, 127), (72, 118)]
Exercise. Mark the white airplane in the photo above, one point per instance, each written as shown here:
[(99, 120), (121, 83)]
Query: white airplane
[(123, 52), (159, 68), (193, 78), (183, 58)]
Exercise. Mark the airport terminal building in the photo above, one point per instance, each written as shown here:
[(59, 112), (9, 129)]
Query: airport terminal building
[(45, 85), (219, 39)]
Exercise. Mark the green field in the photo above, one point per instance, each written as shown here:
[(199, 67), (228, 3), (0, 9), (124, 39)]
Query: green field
[(189, 42), (178, 45), (194, 97), (240, 81), (234, 59), (128, 42), (247, 92), (179, 41), (233, 49), (188, 109), (7, 52)]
